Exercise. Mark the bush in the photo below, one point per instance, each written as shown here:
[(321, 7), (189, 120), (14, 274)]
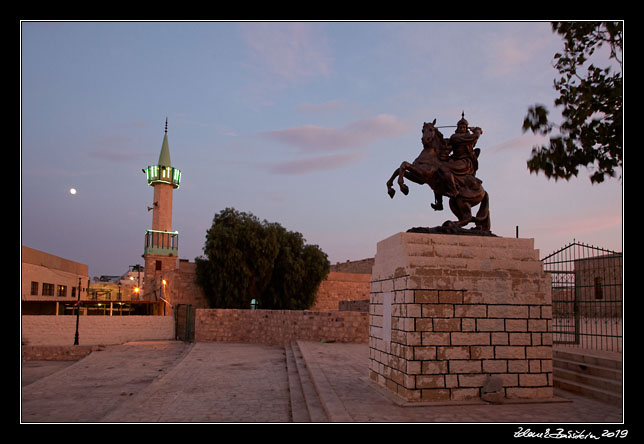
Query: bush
[(246, 259)]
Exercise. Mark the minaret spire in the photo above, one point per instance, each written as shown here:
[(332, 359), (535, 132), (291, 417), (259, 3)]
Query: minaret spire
[(164, 156)]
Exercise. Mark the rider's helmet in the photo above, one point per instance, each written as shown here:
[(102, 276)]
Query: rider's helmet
[(462, 121)]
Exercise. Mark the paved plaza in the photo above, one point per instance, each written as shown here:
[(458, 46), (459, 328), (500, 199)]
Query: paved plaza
[(215, 382)]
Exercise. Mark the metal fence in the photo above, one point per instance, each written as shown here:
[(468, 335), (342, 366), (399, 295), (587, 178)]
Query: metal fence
[(184, 316), (587, 307)]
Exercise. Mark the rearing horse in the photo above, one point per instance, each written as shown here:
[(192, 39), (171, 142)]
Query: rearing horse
[(431, 167)]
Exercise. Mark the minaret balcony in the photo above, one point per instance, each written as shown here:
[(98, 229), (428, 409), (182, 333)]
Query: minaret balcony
[(161, 242), (163, 174)]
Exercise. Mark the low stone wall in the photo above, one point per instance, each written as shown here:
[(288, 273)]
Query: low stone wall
[(57, 352), (361, 305), (95, 330), (280, 327)]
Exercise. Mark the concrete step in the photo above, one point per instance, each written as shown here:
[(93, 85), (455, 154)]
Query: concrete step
[(582, 368), (589, 373), (299, 411), (591, 391), (305, 402), (604, 359)]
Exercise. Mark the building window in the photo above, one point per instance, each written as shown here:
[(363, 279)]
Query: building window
[(34, 288), (47, 289), (73, 292), (62, 291), (158, 265)]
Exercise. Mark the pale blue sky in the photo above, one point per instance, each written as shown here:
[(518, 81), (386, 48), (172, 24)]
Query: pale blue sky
[(299, 123)]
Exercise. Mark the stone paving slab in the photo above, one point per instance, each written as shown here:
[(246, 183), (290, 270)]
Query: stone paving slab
[(90, 388), (33, 371), (216, 382), (358, 399), (164, 382), (175, 382)]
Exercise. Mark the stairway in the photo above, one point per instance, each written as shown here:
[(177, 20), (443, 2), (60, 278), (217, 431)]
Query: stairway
[(305, 402), (589, 373)]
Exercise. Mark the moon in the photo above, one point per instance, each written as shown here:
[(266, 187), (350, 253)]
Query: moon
[(72, 191)]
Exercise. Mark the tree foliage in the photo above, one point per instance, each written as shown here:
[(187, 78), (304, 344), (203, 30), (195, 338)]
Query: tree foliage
[(246, 259), (591, 134)]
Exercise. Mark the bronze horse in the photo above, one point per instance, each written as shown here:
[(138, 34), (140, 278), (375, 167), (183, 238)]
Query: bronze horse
[(431, 167)]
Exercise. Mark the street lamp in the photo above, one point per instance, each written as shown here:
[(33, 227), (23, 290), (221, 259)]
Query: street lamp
[(77, 312), (78, 309), (137, 267), (164, 282)]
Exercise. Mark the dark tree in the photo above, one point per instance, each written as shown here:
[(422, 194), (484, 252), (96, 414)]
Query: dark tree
[(246, 259), (591, 98)]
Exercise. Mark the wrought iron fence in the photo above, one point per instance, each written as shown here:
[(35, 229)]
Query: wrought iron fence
[(587, 308)]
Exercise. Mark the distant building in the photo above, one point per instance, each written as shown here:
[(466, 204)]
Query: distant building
[(50, 283), (126, 287)]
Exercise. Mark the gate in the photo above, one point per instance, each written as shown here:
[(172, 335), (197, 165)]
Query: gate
[(586, 296), (185, 322)]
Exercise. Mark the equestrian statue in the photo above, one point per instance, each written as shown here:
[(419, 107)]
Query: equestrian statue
[(449, 167)]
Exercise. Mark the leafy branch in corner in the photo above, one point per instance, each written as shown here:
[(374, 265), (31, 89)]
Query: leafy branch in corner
[(591, 98)]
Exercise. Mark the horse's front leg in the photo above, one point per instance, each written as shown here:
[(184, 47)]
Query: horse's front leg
[(401, 176), (390, 182)]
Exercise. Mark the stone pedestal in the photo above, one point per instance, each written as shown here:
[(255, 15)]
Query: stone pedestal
[(452, 316)]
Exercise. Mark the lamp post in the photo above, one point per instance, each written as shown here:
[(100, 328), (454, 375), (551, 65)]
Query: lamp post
[(77, 312), (137, 267), (164, 282)]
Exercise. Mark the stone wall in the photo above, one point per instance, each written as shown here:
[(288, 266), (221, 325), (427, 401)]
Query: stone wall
[(181, 286), (359, 305), (362, 266), (57, 352), (280, 327), (450, 314), (95, 330), (341, 287)]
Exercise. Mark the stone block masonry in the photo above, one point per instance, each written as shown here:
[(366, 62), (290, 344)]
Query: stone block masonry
[(339, 287), (95, 330), (280, 327), (448, 313)]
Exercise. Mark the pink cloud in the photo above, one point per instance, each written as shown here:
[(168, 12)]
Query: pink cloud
[(356, 134), (321, 163), (588, 224), (510, 54)]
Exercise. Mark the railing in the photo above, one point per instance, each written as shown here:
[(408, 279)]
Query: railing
[(587, 306), (160, 173), (161, 242)]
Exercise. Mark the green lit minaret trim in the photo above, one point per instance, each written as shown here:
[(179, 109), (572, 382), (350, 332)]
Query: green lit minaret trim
[(161, 242), (163, 171)]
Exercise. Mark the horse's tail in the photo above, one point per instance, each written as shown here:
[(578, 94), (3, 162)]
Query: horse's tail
[(482, 218)]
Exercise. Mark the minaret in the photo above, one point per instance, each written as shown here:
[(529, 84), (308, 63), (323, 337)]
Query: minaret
[(161, 243)]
